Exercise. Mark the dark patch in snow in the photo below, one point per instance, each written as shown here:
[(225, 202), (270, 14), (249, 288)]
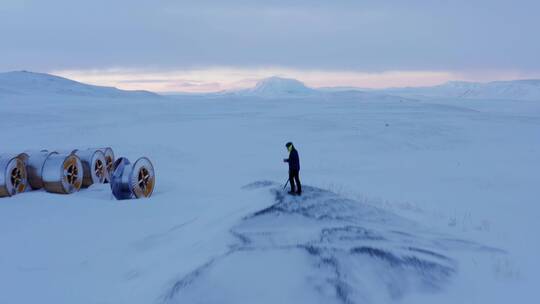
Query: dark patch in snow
[(431, 273), (187, 280), (349, 233), (355, 249), (452, 243), (258, 185), (326, 260), (244, 241), (429, 252), (378, 254)]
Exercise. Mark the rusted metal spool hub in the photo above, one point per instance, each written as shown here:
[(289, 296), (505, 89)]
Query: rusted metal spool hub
[(109, 160), (143, 178), (62, 174), (34, 167), (133, 180), (94, 167), (13, 175)]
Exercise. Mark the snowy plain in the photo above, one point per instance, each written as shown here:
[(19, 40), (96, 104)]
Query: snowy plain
[(431, 200)]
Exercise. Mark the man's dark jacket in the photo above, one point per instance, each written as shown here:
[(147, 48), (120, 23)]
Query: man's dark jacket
[(294, 160)]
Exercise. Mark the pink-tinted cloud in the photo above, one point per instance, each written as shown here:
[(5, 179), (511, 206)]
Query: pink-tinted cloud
[(223, 78)]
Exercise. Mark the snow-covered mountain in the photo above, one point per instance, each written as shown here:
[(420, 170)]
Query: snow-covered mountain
[(283, 88), (30, 83), (40, 84), (509, 90), (278, 87)]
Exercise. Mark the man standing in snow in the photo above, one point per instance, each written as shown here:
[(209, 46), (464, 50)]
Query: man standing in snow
[(294, 169)]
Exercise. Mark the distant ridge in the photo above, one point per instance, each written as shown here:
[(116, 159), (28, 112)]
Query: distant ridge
[(287, 88), (30, 83), (527, 89), (40, 84), (278, 87)]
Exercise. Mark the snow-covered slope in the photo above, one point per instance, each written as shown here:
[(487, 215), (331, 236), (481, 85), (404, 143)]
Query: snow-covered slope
[(30, 83), (509, 90), (432, 201), (283, 88), (275, 86), (278, 87), (341, 250)]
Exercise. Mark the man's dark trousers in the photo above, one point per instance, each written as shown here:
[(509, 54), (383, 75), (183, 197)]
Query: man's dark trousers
[(294, 179)]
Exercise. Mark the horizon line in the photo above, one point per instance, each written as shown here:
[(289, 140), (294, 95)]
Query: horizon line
[(219, 80)]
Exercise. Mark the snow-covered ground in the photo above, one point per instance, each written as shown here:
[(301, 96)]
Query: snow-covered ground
[(432, 201)]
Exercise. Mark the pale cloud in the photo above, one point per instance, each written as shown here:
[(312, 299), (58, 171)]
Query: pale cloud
[(229, 78), (370, 36)]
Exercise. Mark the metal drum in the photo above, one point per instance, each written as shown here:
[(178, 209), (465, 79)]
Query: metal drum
[(62, 173), (34, 167), (13, 175), (66, 151), (94, 167), (22, 156), (109, 160), (133, 180)]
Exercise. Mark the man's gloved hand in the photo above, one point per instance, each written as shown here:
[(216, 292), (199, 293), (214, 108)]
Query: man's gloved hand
[(285, 160)]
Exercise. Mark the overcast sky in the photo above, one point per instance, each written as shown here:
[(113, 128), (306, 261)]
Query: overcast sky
[(212, 45)]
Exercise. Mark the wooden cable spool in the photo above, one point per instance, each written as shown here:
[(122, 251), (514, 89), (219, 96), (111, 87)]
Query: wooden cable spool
[(62, 173), (135, 180), (13, 174), (109, 161), (34, 167), (94, 167)]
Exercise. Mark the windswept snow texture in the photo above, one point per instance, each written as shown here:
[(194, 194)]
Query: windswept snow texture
[(323, 248)]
